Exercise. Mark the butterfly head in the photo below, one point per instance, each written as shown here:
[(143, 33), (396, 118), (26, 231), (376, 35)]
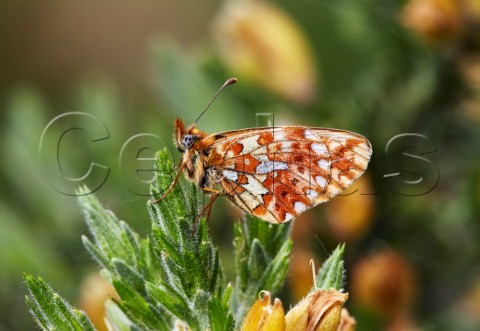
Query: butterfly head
[(185, 138)]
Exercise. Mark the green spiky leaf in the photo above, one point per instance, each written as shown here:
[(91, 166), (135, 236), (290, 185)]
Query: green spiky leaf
[(332, 272)]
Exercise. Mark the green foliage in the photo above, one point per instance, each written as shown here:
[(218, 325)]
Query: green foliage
[(192, 286), (126, 260), (332, 272), (262, 252), (175, 274), (50, 311)]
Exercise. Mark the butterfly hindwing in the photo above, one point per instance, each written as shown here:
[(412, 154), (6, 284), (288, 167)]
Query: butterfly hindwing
[(277, 173)]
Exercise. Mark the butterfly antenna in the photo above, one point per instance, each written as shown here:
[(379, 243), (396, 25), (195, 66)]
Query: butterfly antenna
[(228, 82)]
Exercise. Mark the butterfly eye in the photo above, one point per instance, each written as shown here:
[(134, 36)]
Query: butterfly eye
[(188, 140)]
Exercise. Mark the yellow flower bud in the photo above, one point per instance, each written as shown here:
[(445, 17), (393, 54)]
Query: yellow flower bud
[(319, 311), (472, 9), (276, 320), (347, 322), (263, 317), (260, 43)]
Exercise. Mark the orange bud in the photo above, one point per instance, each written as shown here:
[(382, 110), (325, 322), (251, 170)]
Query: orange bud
[(383, 283), (435, 20), (94, 292), (350, 216), (260, 43)]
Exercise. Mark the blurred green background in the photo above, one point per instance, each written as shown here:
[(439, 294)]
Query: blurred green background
[(381, 68)]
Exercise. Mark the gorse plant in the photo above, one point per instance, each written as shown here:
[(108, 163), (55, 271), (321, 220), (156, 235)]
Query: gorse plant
[(174, 276)]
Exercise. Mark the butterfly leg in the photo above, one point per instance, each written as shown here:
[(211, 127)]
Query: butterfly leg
[(208, 207), (215, 194), (181, 165)]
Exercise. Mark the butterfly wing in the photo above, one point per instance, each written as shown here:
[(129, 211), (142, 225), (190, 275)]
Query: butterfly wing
[(276, 173)]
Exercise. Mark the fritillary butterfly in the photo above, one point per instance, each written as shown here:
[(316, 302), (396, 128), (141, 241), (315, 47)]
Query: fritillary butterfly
[(273, 173)]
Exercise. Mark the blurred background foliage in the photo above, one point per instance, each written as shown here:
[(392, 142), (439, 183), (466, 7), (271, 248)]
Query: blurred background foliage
[(378, 67)]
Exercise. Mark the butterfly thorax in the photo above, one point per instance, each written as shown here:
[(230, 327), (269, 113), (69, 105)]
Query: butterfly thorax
[(196, 158)]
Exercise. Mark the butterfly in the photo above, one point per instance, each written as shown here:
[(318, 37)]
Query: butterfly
[(273, 173)]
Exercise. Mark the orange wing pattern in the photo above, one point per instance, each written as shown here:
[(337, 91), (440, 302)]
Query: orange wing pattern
[(276, 173)]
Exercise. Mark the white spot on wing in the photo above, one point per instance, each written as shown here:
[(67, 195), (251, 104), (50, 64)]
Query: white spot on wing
[(319, 148), (299, 207), (288, 217), (321, 181), (260, 150), (249, 144), (269, 166), (278, 134), (310, 135), (262, 157), (249, 200), (333, 145), (286, 145), (312, 194), (231, 175), (261, 178), (254, 186), (324, 164)]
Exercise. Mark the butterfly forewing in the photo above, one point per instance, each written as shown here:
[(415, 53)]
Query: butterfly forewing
[(277, 173)]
